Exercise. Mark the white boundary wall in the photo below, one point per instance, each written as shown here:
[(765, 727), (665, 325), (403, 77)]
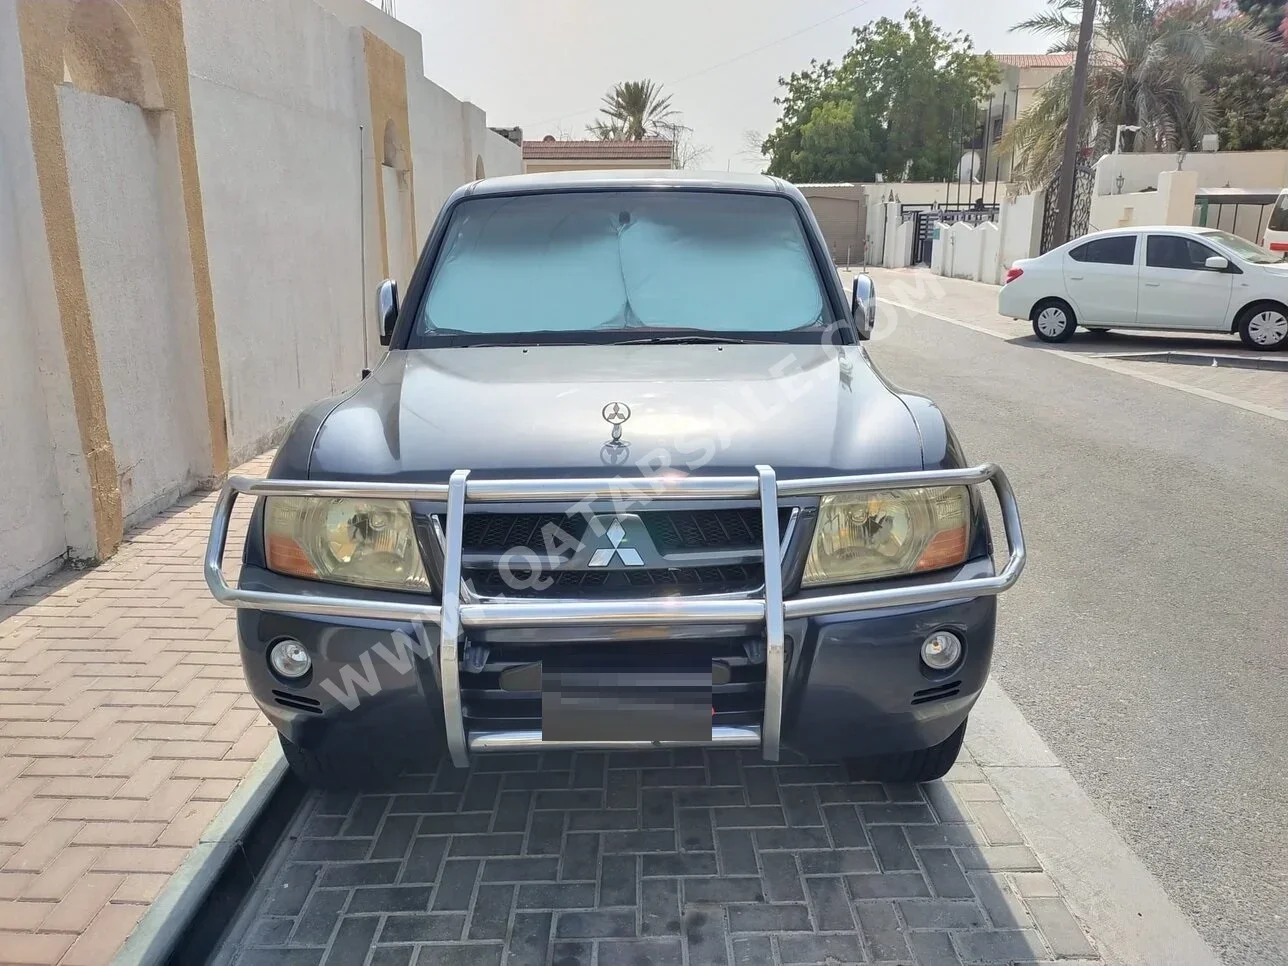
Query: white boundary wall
[(984, 252), (1254, 170)]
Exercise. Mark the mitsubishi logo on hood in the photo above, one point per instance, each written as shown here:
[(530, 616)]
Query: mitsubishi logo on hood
[(616, 414), (617, 540)]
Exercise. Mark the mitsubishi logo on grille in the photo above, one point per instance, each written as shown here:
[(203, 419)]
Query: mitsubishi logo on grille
[(616, 536)]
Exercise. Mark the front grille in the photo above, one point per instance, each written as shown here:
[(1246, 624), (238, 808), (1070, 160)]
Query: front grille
[(684, 530), (672, 531), (490, 582), (703, 551), (499, 532)]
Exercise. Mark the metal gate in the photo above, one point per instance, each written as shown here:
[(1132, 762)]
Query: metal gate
[(923, 236), (1084, 177)]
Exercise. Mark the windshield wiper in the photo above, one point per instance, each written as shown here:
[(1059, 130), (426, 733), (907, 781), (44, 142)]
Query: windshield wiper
[(683, 340)]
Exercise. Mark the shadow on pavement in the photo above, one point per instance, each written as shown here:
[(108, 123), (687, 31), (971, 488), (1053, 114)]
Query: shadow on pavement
[(1119, 342)]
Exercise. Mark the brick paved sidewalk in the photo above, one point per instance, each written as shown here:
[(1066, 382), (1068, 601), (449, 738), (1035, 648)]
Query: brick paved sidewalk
[(976, 303), (661, 858), (124, 727)]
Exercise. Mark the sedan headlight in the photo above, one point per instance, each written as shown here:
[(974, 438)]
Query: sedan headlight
[(885, 533), (370, 543)]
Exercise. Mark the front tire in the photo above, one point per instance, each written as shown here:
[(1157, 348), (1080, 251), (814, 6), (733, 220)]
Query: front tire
[(1264, 326), (332, 771), (1053, 320), (927, 765)]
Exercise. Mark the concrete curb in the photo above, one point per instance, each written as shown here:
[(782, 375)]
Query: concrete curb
[(1125, 910), (1100, 362), (154, 938), (1205, 359)]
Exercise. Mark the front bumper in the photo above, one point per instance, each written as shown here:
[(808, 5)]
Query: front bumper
[(840, 670), (853, 683)]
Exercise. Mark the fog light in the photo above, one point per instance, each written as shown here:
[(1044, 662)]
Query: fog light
[(289, 659), (941, 650)]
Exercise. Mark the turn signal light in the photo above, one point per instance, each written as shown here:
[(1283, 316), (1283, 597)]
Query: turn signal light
[(1013, 273)]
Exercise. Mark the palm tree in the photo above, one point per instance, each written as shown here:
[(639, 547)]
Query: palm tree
[(1146, 69), (634, 110)]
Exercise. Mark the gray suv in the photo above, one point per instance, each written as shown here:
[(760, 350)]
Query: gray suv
[(626, 478)]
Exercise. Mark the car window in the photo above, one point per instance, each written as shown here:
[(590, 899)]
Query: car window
[(622, 261), (1114, 250), (1279, 214), (1176, 251), (1244, 248)]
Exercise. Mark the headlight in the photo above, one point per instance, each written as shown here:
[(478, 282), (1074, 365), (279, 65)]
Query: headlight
[(884, 533), (366, 542)]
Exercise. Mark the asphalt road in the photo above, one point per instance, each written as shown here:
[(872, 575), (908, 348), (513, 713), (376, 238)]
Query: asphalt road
[(1148, 639)]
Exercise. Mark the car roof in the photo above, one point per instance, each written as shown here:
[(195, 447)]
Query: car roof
[(626, 179), (1136, 229)]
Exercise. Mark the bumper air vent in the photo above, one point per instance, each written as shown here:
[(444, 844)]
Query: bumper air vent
[(937, 693), (297, 702)]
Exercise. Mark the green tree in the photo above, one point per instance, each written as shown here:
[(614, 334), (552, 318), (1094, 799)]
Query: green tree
[(903, 103), (634, 110), (1149, 68), (1270, 15), (1250, 106)]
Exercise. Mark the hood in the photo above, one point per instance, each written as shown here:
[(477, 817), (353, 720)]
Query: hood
[(539, 410)]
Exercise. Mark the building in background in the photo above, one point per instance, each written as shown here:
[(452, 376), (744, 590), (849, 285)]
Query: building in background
[(550, 154), (1022, 76)]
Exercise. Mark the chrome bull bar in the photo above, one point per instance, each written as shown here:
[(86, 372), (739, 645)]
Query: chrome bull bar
[(453, 615)]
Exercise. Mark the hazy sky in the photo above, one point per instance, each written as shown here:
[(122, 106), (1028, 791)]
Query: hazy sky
[(545, 64)]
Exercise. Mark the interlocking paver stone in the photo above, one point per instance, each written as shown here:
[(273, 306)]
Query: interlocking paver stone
[(124, 726), (738, 876)]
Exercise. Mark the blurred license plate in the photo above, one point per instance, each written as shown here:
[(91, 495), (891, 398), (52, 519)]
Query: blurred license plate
[(625, 704)]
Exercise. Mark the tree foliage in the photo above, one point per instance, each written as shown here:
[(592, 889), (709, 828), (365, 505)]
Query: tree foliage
[(1270, 15), (1250, 105), (1151, 67), (633, 111), (902, 103)]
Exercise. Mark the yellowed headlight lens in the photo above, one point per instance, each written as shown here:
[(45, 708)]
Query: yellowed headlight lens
[(885, 533), (370, 543)]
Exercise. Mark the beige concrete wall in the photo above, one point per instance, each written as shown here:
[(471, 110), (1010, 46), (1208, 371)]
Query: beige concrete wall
[(1021, 225), (1171, 204), (278, 146), (1255, 170), (189, 238), (138, 284), (33, 534)]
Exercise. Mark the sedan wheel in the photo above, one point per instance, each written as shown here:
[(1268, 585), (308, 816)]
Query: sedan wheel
[(1265, 327), (1053, 322)]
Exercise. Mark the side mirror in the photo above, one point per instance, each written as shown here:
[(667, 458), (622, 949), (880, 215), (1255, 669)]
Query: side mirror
[(1217, 263), (863, 304), (387, 309)]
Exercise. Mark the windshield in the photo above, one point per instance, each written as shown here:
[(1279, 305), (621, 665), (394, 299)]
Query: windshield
[(597, 266), (1244, 248)]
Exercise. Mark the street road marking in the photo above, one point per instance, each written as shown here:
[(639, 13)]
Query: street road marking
[(1106, 364)]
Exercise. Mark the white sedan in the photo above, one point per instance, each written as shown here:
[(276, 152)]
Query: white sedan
[(1171, 277)]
